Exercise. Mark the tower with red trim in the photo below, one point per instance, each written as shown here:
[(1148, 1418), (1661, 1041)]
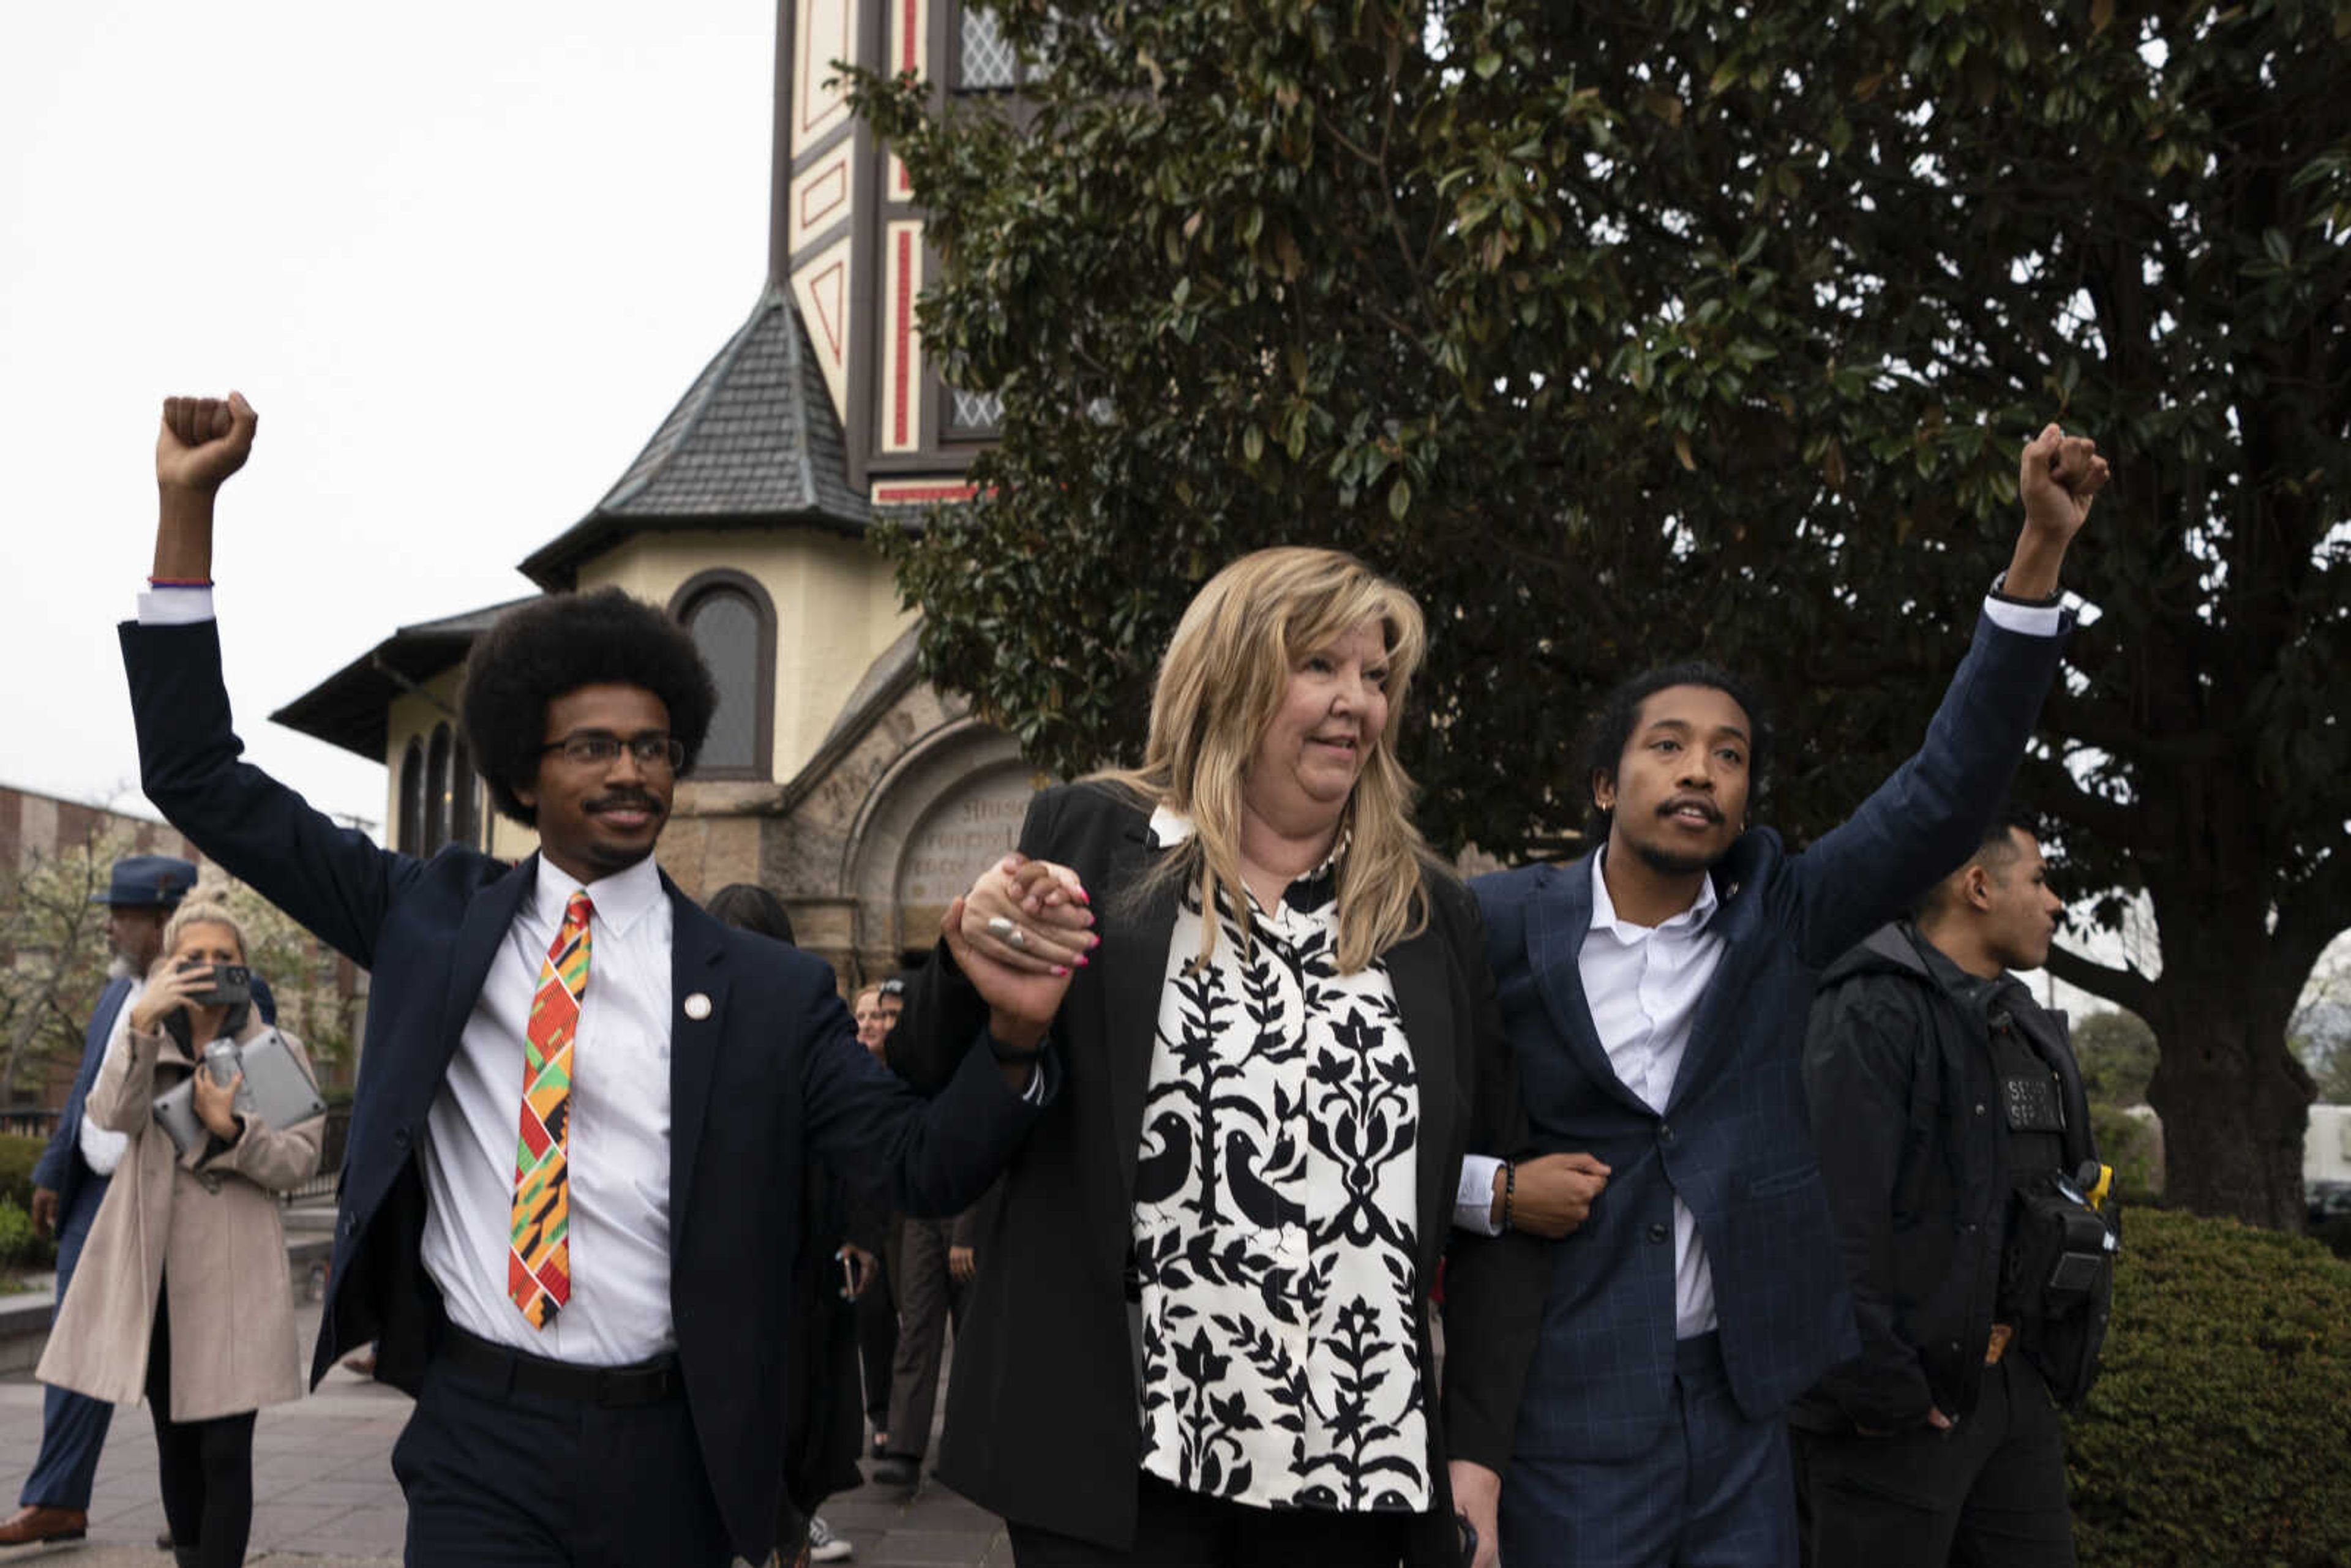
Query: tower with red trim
[(834, 775)]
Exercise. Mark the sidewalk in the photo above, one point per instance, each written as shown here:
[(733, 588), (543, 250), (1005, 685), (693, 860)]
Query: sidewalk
[(324, 1496)]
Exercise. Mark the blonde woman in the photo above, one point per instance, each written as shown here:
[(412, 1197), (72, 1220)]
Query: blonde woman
[(183, 1293), (1204, 1336)]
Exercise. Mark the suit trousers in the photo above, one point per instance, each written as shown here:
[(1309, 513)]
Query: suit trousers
[(928, 1298), (1988, 1493), (73, 1426), (1713, 1490), (499, 1478)]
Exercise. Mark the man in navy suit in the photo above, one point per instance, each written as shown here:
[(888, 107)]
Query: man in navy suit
[(1656, 994), (572, 1189), (142, 891)]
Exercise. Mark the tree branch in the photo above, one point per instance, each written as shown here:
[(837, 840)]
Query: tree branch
[(2126, 988)]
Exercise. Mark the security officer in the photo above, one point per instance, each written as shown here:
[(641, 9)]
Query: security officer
[(68, 1183), (1955, 1144)]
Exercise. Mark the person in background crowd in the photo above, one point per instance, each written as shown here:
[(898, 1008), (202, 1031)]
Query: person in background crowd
[(820, 1415), (1200, 1332), (1656, 991), (872, 1232), (70, 1182), (608, 1393), (1940, 1442), (183, 1293)]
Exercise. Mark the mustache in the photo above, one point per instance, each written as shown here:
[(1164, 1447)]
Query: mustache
[(623, 800), (1682, 802)]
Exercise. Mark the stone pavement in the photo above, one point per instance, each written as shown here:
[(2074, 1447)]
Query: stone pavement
[(324, 1496)]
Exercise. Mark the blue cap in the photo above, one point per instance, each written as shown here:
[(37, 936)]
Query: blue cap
[(151, 881)]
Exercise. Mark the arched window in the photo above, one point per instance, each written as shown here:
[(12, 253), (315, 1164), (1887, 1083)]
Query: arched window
[(411, 799), (465, 797), (436, 790), (734, 625)]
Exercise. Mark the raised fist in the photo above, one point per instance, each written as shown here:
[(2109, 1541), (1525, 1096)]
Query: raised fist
[(204, 441), (2057, 477)]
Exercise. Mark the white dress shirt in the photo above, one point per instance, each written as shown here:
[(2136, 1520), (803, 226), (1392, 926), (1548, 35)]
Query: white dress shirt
[(1643, 984), (101, 1147), (618, 1151)]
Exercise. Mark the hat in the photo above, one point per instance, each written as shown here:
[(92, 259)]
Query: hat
[(150, 882)]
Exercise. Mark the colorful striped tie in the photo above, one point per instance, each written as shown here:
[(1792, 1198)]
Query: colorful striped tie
[(539, 1252)]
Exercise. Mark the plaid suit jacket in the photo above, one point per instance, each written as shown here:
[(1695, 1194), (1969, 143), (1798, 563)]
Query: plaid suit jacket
[(1735, 1140)]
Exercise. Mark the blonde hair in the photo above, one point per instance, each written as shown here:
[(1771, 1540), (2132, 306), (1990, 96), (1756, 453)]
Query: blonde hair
[(1220, 684), (199, 910)]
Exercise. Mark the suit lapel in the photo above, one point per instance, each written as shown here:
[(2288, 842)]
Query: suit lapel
[(1737, 920), (697, 967), (489, 915), (1558, 917), (1134, 973), (1417, 971)]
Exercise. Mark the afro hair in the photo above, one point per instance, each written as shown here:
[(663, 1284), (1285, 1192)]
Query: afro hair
[(1610, 727), (537, 651)]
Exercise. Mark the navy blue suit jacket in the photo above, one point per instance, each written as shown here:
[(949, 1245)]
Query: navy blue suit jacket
[(61, 1168), (771, 1073), (1735, 1140)]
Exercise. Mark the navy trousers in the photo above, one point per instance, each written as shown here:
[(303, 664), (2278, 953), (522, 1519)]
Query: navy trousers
[(73, 1426), (496, 1477), (1715, 1489)]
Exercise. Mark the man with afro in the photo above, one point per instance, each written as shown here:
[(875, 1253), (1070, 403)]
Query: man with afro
[(570, 1205)]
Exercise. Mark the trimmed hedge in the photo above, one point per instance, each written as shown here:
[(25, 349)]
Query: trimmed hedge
[(2219, 1433)]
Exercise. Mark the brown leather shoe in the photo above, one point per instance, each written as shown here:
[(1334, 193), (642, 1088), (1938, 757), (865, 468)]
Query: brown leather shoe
[(39, 1523)]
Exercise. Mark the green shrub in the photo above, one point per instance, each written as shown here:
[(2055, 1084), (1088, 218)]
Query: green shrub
[(19, 1247), (18, 1155), (2215, 1437), (2128, 1144)]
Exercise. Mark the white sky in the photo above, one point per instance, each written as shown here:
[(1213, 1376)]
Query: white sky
[(462, 258)]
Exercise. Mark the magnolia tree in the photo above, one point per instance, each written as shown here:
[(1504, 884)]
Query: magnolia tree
[(1626, 332)]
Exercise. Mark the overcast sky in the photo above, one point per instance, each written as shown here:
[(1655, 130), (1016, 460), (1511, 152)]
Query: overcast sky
[(462, 258)]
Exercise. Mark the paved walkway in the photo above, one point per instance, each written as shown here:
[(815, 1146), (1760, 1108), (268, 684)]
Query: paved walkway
[(324, 1496)]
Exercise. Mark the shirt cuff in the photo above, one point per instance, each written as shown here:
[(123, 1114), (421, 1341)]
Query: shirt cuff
[(1473, 1200), (175, 605), (2027, 620)]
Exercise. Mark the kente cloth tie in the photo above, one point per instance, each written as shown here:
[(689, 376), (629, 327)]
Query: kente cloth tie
[(538, 1251)]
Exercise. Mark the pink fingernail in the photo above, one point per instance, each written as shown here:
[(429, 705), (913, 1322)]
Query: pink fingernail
[(1082, 962), (1064, 968)]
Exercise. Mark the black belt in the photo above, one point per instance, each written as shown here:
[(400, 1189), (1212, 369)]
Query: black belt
[(639, 1383)]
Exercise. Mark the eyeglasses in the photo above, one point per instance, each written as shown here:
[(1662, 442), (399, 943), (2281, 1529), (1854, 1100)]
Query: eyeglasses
[(593, 748)]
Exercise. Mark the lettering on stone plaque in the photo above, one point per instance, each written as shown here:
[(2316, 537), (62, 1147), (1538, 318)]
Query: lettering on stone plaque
[(969, 831)]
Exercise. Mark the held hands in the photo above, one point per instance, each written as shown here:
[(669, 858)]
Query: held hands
[(1553, 1196), (1030, 916), (1477, 1497), (204, 440), (1019, 936)]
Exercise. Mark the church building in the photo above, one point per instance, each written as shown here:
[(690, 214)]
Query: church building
[(834, 775)]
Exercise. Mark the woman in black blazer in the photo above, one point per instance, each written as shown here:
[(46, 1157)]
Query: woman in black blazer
[(1204, 1336)]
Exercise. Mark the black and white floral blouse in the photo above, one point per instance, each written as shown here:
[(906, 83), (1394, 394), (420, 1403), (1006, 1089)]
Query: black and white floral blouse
[(1275, 1218)]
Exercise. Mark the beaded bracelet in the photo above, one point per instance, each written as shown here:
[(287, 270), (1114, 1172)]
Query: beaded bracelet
[(1510, 1190)]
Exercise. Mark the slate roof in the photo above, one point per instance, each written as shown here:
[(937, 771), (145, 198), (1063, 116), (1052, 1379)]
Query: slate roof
[(352, 707), (754, 442)]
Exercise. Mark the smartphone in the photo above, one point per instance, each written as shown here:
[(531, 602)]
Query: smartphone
[(232, 987), (848, 1278)]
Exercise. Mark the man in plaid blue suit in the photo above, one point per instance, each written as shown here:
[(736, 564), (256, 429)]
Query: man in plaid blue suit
[(1656, 994)]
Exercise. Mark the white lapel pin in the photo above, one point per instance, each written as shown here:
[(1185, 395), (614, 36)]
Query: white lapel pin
[(697, 1007)]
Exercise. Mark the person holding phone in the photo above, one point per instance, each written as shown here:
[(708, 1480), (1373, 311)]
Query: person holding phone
[(183, 1292)]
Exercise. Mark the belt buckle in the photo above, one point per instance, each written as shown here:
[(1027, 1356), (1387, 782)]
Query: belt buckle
[(2001, 1335)]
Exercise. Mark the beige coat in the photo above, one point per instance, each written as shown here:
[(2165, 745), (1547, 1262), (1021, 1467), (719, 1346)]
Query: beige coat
[(211, 1229)]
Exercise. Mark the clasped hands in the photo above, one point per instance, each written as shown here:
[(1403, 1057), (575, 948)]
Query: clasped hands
[(1020, 936)]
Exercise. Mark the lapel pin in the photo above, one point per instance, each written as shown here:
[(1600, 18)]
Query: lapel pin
[(697, 1007)]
